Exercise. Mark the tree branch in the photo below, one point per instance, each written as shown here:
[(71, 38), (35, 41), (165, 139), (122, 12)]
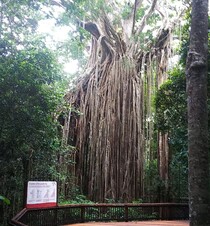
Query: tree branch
[(57, 3), (137, 4), (146, 16), (90, 27), (93, 29), (129, 23)]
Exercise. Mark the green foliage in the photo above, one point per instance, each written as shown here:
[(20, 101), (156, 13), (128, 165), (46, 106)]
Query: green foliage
[(5, 200), (19, 19), (153, 19), (171, 118), (141, 11), (152, 181), (137, 201), (185, 39), (28, 98), (82, 10), (126, 11), (170, 102), (75, 46), (76, 199), (31, 91)]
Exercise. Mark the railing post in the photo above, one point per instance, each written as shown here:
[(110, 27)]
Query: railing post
[(167, 210), (126, 213), (161, 212), (82, 214), (164, 212), (56, 217)]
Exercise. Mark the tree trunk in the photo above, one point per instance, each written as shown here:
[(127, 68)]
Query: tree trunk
[(116, 119), (196, 74)]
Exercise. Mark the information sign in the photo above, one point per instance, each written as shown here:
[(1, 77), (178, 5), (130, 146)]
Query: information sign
[(41, 194)]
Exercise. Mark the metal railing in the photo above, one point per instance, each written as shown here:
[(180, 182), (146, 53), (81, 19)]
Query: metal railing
[(69, 214)]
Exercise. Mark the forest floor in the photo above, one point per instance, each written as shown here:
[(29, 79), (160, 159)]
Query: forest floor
[(139, 223)]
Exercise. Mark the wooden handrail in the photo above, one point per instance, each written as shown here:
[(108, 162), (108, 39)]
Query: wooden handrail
[(15, 220), (100, 212)]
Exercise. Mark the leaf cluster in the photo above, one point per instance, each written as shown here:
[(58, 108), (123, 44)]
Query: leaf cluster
[(5, 200), (170, 102), (19, 19)]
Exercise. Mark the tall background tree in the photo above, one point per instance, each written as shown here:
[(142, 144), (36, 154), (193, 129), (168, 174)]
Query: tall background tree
[(196, 74)]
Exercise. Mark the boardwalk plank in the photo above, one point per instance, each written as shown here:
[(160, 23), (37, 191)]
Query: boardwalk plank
[(150, 223)]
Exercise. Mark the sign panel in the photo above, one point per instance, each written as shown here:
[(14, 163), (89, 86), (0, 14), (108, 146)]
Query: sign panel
[(41, 194)]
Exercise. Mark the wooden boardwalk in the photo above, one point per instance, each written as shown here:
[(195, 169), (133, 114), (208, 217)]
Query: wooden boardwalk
[(139, 223)]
